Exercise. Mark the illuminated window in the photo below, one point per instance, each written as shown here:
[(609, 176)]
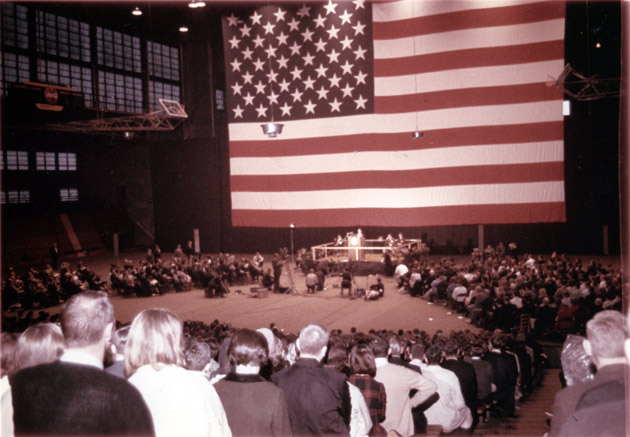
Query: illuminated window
[(68, 194), (14, 25), (120, 92), (17, 160), (118, 50), (15, 68), (73, 76), (16, 196), (45, 161), (63, 37), (67, 161)]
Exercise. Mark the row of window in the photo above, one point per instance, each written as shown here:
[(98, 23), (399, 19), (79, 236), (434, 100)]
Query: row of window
[(48, 161), (24, 196), (118, 60)]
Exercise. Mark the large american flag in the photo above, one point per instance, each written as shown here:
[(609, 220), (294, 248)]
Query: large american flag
[(351, 82)]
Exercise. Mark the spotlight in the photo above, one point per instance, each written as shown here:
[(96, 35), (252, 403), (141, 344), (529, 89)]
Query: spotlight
[(417, 134), (291, 225), (272, 129), (195, 5), (128, 135), (183, 29), (137, 12)]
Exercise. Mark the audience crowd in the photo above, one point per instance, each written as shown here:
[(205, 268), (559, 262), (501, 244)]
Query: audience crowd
[(165, 376), (552, 296)]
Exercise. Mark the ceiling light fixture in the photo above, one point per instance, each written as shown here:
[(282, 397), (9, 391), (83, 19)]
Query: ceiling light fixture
[(195, 5), (183, 29), (137, 12)]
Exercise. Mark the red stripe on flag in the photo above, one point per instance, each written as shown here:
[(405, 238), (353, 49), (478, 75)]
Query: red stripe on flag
[(471, 175), (465, 136), (498, 95), (435, 216), (469, 58), (476, 18)]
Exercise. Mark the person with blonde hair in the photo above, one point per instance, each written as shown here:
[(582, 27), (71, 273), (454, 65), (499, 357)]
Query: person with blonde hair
[(181, 401), (73, 395), (40, 343)]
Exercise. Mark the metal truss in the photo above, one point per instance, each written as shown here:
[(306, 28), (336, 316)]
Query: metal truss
[(584, 88), (168, 118)]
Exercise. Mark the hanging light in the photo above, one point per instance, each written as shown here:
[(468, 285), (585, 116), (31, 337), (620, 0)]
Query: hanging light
[(195, 5), (272, 129), (183, 29), (137, 12)]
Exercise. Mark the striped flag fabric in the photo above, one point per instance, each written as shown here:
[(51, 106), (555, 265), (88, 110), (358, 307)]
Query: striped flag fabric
[(353, 81)]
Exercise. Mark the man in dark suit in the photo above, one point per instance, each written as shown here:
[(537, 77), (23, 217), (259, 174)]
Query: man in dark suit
[(74, 396), (596, 407), (54, 256), (465, 373), (504, 376), (318, 398)]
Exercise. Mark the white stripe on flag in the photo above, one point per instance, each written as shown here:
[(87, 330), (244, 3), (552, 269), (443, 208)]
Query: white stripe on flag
[(404, 160), (536, 192)]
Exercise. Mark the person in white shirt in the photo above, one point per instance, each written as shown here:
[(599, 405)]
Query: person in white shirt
[(450, 410), (182, 402)]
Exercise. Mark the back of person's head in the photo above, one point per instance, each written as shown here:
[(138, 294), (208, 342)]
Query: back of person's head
[(450, 347), (497, 341), (337, 356), (361, 360), (433, 355), (197, 355), (417, 351), (247, 348), (606, 332), (7, 348), (119, 339), (395, 346), (84, 318), (39, 344), (379, 346), (313, 339), (155, 338), (275, 347)]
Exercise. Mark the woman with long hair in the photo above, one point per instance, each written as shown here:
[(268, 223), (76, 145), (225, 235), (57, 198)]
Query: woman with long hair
[(182, 402)]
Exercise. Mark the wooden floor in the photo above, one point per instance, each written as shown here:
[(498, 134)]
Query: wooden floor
[(531, 419)]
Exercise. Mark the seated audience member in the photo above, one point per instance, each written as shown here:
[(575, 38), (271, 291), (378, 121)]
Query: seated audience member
[(337, 359), (46, 397), (346, 282), (39, 344), (327, 412), (117, 368), (465, 373), (483, 373), (197, 356), (363, 370), (181, 402), (450, 410), (399, 382), (7, 346), (504, 376), (596, 406), (376, 290), (276, 354), (254, 406), (311, 281)]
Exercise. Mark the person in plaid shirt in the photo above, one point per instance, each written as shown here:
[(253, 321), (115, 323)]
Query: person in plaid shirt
[(361, 362)]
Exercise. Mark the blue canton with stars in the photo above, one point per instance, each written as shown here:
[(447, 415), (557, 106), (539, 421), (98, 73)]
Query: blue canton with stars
[(299, 61)]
